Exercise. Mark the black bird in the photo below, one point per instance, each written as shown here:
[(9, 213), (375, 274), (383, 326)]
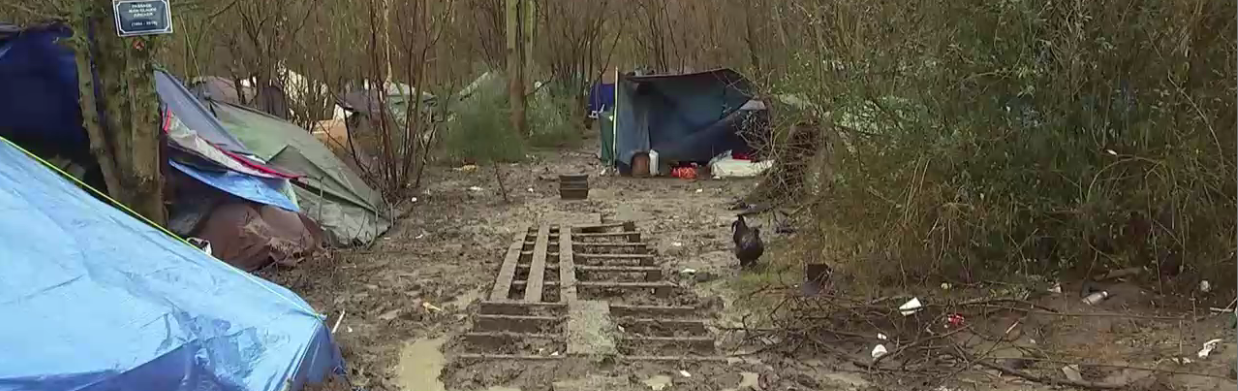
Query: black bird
[(748, 245)]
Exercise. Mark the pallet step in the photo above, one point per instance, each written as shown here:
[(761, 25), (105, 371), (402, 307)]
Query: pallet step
[(694, 344), (516, 323), (628, 310), (498, 337), (644, 325), (501, 307)]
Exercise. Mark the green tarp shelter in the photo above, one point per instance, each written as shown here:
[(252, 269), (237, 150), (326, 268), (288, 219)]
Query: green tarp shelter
[(349, 211)]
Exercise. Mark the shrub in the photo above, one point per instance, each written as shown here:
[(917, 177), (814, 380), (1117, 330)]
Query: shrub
[(480, 127), (551, 121), (982, 139)]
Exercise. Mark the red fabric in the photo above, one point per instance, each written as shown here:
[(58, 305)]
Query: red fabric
[(257, 166), (684, 172)]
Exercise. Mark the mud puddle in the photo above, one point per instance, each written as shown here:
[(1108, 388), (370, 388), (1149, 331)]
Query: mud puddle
[(421, 361)]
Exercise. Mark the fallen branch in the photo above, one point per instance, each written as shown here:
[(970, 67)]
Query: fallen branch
[(1047, 380), (1114, 366)]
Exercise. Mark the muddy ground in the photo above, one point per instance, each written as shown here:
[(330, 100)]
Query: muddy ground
[(404, 298)]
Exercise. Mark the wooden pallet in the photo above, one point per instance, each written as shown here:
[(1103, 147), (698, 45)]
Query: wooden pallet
[(539, 280)]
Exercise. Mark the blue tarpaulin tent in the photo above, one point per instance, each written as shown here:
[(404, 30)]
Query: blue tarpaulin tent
[(39, 108), (99, 300), (685, 117)]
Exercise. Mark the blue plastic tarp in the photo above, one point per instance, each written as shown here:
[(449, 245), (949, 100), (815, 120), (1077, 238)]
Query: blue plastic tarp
[(601, 97), (687, 117), (98, 300), (196, 116), (38, 90), (260, 190)]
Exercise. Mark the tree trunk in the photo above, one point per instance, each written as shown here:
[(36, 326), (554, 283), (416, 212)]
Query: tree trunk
[(123, 119), (515, 66), (527, 9)]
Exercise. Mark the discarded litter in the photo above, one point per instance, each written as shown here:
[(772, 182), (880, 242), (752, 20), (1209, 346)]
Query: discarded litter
[(1205, 286), (475, 188), (700, 190), (955, 320), (1095, 297), (911, 306), (1057, 288), (878, 351), (1208, 348), (1072, 372), (467, 167), (555, 354), (530, 189), (684, 373), (430, 307), (201, 244), (945, 286), (882, 337), (677, 244), (413, 200)]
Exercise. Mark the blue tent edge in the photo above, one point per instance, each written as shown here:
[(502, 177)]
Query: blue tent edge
[(64, 207)]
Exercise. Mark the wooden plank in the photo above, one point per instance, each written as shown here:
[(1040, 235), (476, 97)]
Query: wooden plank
[(628, 234), (620, 245), (519, 308), (477, 356), (619, 269), (694, 344), (661, 289), (503, 283), (498, 338), (537, 273), (625, 284), (595, 227), (530, 254), (622, 310), (567, 267), (517, 323), (648, 326), (614, 256), (645, 259), (525, 283), (674, 358), (652, 273)]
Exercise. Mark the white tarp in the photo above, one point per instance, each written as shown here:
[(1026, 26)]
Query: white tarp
[(725, 166)]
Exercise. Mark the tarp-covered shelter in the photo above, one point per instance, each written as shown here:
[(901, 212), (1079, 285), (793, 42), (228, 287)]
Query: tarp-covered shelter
[(39, 110), (685, 118), (328, 191), (102, 301)]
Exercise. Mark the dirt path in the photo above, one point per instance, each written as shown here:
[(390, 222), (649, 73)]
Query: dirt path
[(447, 251), (407, 297)]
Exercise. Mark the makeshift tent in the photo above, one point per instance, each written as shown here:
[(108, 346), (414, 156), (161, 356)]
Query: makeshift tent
[(38, 92), (685, 118), (102, 301), (39, 110), (269, 99), (328, 191)]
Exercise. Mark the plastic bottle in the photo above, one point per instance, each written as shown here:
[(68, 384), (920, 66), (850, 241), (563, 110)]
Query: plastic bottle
[(1095, 297)]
